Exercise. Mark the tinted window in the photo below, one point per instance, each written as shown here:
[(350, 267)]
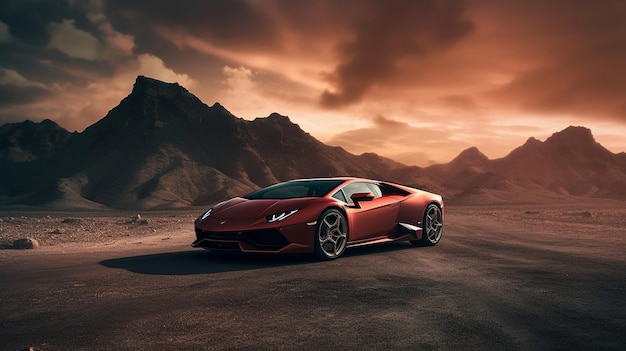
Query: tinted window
[(295, 189), (375, 189), (339, 196), (354, 188), (392, 190)]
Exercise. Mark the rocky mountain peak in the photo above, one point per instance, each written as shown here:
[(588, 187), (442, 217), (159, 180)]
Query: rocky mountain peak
[(578, 136), (532, 141), (568, 144), (471, 153), (156, 100), (219, 108), (469, 158), (274, 118), (149, 86), (277, 123), (277, 116), (154, 105)]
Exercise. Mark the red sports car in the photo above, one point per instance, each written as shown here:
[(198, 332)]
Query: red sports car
[(323, 216)]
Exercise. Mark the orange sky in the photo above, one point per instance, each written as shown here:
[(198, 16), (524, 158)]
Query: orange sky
[(417, 81)]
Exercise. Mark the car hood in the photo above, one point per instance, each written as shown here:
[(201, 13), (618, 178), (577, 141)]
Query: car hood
[(240, 208)]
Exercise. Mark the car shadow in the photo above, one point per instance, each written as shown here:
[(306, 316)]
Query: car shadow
[(378, 249), (200, 262), (204, 262)]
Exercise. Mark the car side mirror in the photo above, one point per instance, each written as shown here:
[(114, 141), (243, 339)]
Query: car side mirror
[(358, 197)]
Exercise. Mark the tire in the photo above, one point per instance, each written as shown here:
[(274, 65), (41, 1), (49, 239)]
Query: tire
[(432, 227), (331, 235)]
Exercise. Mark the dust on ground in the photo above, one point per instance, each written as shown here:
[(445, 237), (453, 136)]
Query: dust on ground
[(62, 229)]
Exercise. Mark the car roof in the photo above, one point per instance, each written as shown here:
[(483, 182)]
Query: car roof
[(334, 178)]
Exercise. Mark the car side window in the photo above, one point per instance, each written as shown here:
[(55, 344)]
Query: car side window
[(375, 189), (354, 188), (340, 196)]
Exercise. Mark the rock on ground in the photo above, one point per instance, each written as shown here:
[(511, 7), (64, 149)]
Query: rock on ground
[(25, 243)]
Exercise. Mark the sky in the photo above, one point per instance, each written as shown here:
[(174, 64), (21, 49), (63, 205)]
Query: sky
[(418, 81)]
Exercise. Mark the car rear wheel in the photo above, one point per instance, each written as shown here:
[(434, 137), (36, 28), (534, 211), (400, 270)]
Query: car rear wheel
[(331, 235), (432, 227)]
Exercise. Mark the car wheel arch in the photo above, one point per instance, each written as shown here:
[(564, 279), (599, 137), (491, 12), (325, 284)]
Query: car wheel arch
[(424, 241), (433, 203), (343, 212)]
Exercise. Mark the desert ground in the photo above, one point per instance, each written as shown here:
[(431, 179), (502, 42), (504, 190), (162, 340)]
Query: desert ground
[(504, 277)]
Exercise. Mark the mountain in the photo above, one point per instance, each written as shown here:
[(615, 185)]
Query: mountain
[(26, 152), (28, 141), (162, 147), (569, 163), (470, 170)]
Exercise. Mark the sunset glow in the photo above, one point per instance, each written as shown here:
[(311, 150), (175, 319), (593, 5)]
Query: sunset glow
[(423, 80)]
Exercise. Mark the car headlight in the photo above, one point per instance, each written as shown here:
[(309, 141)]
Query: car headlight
[(277, 217), (207, 213)]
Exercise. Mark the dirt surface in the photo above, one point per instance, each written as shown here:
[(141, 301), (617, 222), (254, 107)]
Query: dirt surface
[(523, 277), (89, 229)]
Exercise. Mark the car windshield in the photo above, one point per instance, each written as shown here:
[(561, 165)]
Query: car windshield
[(295, 189)]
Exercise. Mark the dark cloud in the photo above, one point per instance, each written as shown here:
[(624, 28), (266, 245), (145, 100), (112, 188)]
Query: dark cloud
[(28, 53), (12, 95), (576, 52), (371, 37), (391, 32), (28, 20), (224, 23), (570, 52), (589, 86)]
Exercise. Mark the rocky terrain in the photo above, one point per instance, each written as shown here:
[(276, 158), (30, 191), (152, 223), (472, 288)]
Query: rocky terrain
[(81, 229)]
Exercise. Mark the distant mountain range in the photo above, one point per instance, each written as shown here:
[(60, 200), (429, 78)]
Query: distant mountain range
[(162, 147)]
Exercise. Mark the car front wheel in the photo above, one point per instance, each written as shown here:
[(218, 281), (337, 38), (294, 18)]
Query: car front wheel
[(331, 235)]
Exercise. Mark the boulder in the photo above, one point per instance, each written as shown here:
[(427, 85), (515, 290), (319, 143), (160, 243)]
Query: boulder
[(25, 243)]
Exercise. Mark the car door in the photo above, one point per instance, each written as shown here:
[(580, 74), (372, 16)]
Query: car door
[(370, 219)]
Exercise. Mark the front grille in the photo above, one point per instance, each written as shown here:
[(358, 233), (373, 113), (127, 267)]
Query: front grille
[(270, 238), (264, 239)]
